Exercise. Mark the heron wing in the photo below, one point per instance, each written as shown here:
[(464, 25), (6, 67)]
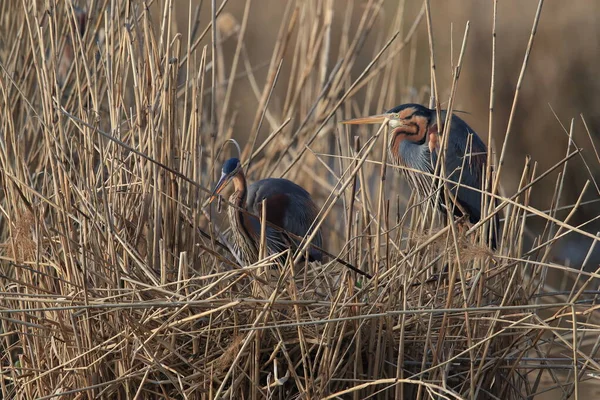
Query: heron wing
[(276, 241), (465, 160), (288, 206)]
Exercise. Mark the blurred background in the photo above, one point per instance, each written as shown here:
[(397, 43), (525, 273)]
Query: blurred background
[(560, 85)]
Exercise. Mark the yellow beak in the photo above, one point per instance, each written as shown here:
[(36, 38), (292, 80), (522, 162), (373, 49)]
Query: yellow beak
[(372, 119), (219, 187)]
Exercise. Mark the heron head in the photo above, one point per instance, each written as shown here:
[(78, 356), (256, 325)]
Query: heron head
[(231, 168), (412, 120)]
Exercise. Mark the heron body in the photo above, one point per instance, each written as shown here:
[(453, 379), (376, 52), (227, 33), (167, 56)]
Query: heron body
[(415, 142), (288, 206)]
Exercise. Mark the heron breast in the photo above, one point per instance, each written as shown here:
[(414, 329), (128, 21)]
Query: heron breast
[(408, 132)]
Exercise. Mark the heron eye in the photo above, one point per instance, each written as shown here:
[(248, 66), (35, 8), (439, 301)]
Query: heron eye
[(397, 116)]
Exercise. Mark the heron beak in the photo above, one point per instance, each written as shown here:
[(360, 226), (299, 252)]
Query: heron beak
[(219, 187), (373, 119)]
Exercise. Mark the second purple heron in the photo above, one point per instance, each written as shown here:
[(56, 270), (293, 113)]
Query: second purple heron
[(415, 142)]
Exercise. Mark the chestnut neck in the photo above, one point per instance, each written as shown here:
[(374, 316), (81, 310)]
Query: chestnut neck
[(242, 237), (240, 192)]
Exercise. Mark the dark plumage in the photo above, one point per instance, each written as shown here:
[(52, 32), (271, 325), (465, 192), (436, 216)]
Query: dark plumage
[(415, 142), (288, 206), (230, 165)]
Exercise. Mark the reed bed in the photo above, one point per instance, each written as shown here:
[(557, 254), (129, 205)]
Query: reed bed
[(116, 277)]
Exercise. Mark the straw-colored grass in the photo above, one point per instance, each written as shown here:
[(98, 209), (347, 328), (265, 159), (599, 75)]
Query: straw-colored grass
[(117, 280)]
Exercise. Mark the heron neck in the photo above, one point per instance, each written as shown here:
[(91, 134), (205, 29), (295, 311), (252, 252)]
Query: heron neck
[(239, 184), (242, 238), (413, 155)]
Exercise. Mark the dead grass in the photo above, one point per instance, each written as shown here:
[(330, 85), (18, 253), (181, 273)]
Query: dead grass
[(117, 282)]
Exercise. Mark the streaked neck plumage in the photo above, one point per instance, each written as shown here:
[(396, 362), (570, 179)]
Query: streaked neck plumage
[(243, 241), (413, 155)]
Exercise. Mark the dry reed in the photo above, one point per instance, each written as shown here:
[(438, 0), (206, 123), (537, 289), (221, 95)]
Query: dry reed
[(117, 282)]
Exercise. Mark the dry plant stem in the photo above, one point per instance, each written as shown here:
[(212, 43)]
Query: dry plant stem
[(376, 329), (203, 34), (464, 352), (394, 71), (131, 149), (493, 326), (571, 141), (210, 303), (253, 83), (110, 268), (249, 337), (583, 287), (262, 252), (366, 226), (409, 38), (306, 119), (353, 48), (556, 201), (338, 104), (213, 110), (441, 167), (234, 65), (380, 201), (562, 226), (487, 203), (546, 254), (252, 141), (276, 61), (353, 193), (291, 102), (536, 20), (434, 101), (575, 353), (590, 136), (507, 201), (332, 198), (596, 345), (268, 140)]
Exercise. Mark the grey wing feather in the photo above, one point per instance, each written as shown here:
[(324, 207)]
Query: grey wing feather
[(474, 165), (471, 176), (296, 216)]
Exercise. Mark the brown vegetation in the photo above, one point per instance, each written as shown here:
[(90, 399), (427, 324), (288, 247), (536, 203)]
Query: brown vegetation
[(116, 280)]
